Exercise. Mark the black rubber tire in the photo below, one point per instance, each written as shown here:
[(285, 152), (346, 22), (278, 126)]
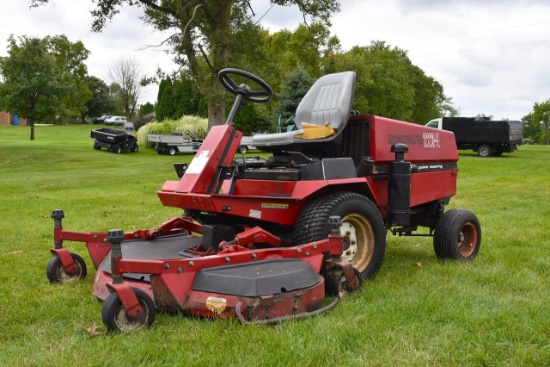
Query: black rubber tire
[(97, 147), (114, 314), (335, 282), (56, 272), (360, 220), (172, 151), (135, 148), (243, 149), (457, 235), (484, 151)]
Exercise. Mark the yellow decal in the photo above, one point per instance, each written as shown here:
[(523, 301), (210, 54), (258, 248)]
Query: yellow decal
[(216, 305), (274, 206)]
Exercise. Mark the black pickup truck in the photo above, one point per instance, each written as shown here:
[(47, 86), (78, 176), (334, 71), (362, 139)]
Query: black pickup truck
[(485, 136)]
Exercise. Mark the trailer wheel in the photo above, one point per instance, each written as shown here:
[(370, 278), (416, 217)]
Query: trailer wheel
[(56, 272), (172, 151), (114, 314), (362, 227), (457, 235), (484, 151)]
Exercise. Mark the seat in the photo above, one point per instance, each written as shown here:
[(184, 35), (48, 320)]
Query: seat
[(327, 103)]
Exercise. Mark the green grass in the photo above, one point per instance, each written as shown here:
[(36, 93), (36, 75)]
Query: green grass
[(418, 311)]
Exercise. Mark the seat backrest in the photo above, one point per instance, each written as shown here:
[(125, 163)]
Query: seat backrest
[(329, 100)]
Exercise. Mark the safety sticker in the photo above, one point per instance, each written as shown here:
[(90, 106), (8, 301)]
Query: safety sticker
[(255, 213), (198, 163)]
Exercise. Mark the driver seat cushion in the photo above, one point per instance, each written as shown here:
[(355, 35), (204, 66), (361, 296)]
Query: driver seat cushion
[(327, 104)]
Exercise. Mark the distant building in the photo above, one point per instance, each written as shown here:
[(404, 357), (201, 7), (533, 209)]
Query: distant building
[(8, 119)]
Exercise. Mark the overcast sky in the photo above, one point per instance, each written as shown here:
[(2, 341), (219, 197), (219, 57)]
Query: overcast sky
[(491, 56)]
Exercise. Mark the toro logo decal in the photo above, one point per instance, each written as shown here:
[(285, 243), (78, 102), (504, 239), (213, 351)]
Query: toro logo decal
[(428, 140), (431, 140)]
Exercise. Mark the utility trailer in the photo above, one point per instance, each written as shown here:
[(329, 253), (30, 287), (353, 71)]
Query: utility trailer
[(114, 140), (263, 242), (482, 135), (174, 143)]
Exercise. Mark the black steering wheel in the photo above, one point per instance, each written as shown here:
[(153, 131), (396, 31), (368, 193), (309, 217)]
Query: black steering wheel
[(263, 95)]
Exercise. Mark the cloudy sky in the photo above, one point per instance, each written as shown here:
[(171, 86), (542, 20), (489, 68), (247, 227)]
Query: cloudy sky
[(491, 56)]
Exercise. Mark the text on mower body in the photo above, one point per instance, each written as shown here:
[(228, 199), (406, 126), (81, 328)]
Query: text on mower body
[(428, 140)]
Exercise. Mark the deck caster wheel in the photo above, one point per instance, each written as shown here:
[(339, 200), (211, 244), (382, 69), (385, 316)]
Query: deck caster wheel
[(335, 282), (57, 274), (457, 235), (116, 319)]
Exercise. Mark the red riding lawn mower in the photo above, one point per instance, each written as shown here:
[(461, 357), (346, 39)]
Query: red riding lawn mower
[(265, 240)]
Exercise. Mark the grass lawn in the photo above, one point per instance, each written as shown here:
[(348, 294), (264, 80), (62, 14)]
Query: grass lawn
[(418, 311)]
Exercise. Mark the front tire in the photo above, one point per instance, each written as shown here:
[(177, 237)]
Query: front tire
[(114, 314), (362, 228), (56, 272), (457, 235)]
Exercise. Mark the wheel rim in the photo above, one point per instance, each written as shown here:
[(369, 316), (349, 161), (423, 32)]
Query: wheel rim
[(65, 277), (358, 241), (467, 239), (124, 323), (483, 152)]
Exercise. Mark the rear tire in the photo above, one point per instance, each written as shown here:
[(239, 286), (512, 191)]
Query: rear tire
[(172, 151), (457, 235), (484, 151), (362, 227)]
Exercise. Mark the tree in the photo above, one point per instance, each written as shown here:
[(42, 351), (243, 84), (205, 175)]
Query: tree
[(204, 31), (100, 102), (31, 85), (294, 89), (73, 74), (127, 74), (389, 85), (146, 109), (541, 115)]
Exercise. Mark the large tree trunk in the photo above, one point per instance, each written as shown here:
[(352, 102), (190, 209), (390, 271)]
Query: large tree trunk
[(216, 105), (30, 122)]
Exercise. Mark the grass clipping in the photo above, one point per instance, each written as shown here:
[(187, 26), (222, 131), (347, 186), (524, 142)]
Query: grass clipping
[(197, 127)]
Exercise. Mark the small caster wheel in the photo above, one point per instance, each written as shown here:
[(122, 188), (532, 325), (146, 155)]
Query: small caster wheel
[(116, 319), (57, 274)]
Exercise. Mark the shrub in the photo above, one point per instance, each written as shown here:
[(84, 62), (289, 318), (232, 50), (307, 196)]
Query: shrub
[(197, 127)]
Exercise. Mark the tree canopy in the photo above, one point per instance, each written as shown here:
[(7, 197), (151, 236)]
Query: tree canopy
[(43, 78), (204, 33)]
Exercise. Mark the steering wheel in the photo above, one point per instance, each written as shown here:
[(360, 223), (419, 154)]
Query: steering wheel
[(263, 95)]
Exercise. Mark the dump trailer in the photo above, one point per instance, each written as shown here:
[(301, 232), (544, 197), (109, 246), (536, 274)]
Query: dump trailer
[(114, 140), (482, 135)]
